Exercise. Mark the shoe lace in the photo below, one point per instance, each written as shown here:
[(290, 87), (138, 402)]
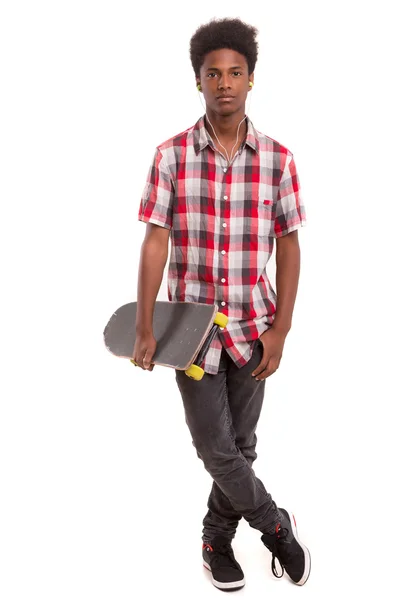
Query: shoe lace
[(278, 549), (222, 556)]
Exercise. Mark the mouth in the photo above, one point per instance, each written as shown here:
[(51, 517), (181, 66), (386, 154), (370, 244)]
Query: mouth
[(225, 98)]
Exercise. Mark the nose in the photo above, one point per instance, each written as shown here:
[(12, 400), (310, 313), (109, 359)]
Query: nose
[(224, 82)]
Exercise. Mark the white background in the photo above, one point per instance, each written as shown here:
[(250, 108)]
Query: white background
[(102, 494)]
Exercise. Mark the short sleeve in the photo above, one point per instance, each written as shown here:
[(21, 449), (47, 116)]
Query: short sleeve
[(290, 210), (158, 194)]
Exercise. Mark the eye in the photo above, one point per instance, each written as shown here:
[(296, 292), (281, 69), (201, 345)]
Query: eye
[(237, 72)]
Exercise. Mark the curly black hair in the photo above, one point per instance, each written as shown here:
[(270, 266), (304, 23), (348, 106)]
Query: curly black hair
[(224, 33)]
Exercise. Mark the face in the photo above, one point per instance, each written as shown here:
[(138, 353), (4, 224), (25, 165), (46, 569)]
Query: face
[(225, 73)]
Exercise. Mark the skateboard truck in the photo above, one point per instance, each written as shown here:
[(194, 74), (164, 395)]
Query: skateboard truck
[(195, 371)]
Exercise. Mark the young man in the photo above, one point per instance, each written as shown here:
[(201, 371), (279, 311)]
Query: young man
[(222, 192)]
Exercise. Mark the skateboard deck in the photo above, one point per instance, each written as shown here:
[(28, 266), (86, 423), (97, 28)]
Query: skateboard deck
[(183, 331)]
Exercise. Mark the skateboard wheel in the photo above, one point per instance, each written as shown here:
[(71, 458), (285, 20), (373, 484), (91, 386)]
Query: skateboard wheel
[(195, 372), (133, 362), (221, 320)]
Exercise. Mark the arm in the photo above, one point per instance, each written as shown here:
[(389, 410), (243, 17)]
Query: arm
[(287, 278), (153, 258)]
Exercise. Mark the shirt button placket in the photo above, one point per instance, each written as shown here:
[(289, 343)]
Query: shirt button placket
[(224, 225)]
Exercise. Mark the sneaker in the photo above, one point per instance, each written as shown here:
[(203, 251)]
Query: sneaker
[(218, 557), (285, 545)]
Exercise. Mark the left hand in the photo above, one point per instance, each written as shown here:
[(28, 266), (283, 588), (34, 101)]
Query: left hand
[(273, 342)]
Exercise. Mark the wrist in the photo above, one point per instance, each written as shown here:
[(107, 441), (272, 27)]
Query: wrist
[(144, 330), (282, 328)]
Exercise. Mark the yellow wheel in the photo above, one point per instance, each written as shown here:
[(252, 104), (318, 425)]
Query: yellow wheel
[(195, 372), (133, 362), (221, 319)]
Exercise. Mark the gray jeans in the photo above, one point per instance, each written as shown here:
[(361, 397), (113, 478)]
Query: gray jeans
[(222, 412)]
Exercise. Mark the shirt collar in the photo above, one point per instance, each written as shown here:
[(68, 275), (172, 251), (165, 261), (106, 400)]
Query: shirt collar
[(201, 137)]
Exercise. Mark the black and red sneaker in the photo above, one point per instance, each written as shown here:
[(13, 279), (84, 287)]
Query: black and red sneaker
[(293, 556), (218, 557)]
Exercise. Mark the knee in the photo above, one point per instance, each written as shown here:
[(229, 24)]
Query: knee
[(249, 452), (247, 447), (216, 454)]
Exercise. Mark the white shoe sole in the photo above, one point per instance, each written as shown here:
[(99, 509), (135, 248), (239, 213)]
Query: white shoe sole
[(307, 555), (224, 585)]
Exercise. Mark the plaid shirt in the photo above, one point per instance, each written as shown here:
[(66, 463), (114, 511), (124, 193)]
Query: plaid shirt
[(223, 223)]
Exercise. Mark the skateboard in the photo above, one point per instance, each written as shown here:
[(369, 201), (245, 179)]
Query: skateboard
[(183, 331)]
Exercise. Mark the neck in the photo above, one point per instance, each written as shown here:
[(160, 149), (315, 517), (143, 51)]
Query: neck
[(226, 126)]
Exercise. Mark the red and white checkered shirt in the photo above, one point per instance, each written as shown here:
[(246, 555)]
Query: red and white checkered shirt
[(223, 223)]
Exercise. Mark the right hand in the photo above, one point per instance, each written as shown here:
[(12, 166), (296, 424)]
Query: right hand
[(143, 352)]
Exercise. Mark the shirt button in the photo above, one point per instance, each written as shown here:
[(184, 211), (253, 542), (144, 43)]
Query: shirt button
[(223, 280), (223, 252), (223, 224), (225, 197), (223, 303)]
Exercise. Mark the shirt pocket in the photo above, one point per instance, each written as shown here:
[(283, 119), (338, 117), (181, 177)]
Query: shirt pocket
[(263, 225), (267, 210)]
